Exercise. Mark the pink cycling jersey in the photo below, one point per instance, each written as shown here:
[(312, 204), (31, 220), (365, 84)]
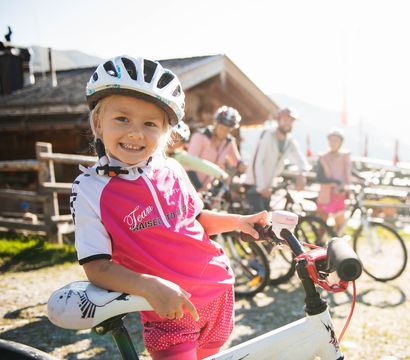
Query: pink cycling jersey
[(146, 221)]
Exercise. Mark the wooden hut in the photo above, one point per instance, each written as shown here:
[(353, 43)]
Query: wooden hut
[(59, 114)]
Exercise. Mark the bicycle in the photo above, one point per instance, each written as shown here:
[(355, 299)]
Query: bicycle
[(310, 229), (280, 267), (81, 305), (249, 261), (373, 239)]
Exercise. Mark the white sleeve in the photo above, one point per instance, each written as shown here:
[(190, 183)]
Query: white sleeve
[(92, 240)]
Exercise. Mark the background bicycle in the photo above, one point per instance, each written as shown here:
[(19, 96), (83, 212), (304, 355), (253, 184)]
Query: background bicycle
[(310, 228), (249, 261), (372, 237)]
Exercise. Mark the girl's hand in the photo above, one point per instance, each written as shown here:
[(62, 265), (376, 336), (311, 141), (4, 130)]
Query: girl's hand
[(168, 300), (246, 223)]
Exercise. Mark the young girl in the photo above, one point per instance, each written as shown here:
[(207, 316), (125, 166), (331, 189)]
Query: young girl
[(140, 227), (334, 173)]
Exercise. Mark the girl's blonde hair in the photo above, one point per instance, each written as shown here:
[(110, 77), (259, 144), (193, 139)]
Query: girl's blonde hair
[(165, 141)]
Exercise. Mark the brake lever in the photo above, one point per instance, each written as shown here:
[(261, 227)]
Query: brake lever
[(265, 234)]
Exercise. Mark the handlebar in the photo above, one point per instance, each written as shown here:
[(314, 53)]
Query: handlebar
[(339, 257), (342, 259), (266, 233)]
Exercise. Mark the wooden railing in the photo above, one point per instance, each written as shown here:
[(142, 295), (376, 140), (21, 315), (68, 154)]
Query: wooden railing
[(51, 223)]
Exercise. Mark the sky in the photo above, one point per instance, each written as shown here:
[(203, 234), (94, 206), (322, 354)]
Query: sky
[(323, 52)]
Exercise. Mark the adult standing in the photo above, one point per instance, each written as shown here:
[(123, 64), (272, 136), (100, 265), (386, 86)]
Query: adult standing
[(268, 161), (216, 144)]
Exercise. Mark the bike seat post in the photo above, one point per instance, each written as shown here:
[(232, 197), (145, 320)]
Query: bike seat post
[(121, 336)]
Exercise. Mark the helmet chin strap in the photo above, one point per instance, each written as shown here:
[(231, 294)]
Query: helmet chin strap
[(105, 168)]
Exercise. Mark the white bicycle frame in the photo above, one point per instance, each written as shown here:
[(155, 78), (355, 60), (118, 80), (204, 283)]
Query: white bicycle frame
[(307, 338), (81, 305)]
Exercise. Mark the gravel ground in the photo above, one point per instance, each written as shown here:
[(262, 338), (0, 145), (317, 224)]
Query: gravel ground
[(379, 328)]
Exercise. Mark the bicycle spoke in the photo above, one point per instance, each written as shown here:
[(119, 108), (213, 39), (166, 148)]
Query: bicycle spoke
[(381, 250), (249, 263)]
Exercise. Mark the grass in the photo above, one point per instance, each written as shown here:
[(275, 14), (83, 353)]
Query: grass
[(30, 253)]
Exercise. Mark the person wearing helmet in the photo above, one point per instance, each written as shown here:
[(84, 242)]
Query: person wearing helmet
[(274, 147), (216, 144), (334, 170), (176, 150), (140, 227), (182, 131)]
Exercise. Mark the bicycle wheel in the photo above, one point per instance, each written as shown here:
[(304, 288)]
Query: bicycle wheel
[(249, 263), (310, 229), (314, 230), (16, 351), (281, 263), (381, 250)]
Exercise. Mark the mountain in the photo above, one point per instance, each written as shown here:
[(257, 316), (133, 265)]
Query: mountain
[(62, 59), (316, 122)]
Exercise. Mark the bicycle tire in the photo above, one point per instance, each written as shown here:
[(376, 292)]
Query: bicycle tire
[(281, 264), (373, 259), (249, 262), (310, 229), (12, 350), (314, 230)]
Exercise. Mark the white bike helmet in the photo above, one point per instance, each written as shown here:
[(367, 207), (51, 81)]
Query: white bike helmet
[(336, 132), (139, 77), (228, 116), (182, 129)]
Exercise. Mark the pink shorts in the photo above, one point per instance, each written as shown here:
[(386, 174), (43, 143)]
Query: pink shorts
[(166, 338), (335, 205)]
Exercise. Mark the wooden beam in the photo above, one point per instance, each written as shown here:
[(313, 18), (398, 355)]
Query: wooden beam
[(19, 165), (68, 158), (22, 195), (45, 109), (51, 187), (201, 71), (22, 224)]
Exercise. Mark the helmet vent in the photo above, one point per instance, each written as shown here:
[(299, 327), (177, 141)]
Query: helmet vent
[(177, 91), (149, 70), (165, 79), (110, 69), (130, 67), (95, 76)]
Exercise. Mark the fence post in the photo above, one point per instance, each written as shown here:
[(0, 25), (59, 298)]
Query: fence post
[(46, 174)]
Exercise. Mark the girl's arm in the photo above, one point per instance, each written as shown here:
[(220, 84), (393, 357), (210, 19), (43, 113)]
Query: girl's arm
[(166, 298), (215, 223)]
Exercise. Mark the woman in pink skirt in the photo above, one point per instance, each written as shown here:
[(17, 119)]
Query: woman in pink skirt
[(333, 174)]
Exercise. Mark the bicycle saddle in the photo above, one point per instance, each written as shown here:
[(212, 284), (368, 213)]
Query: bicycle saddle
[(82, 305)]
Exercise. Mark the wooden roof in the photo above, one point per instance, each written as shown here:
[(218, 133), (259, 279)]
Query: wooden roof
[(235, 89)]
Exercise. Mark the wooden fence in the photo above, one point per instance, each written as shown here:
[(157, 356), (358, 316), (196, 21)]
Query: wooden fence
[(51, 223)]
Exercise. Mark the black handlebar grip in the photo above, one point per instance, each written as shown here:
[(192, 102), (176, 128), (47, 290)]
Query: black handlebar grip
[(342, 259), (249, 238)]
